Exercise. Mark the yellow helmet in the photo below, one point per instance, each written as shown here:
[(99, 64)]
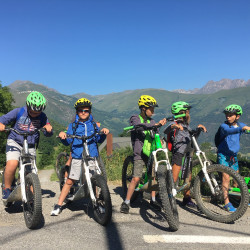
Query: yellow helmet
[(83, 102), (147, 101)]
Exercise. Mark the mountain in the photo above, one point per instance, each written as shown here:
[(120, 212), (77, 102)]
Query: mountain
[(113, 110), (213, 87)]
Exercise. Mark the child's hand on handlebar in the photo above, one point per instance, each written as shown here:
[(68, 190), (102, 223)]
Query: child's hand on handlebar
[(105, 131), (203, 127), (62, 135), (2, 127), (162, 122), (243, 128), (48, 128)]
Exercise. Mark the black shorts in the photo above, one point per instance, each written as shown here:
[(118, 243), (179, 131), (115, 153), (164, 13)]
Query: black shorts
[(177, 158)]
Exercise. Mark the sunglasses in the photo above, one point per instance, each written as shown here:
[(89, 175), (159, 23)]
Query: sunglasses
[(83, 110)]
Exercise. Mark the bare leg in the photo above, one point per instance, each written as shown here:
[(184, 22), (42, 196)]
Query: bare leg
[(131, 187), (65, 191), (176, 170), (225, 183), (9, 173)]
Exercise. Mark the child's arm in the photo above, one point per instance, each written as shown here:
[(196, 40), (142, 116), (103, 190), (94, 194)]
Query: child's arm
[(245, 128), (63, 136), (203, 127), (227, 130), (9, 117)]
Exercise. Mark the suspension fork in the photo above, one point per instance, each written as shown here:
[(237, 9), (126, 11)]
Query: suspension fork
[(204, 163), (87, 177)]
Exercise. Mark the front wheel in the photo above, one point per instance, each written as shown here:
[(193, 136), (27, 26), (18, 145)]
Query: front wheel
[(224, 179), (166, 192), (32, 209), (103, 206)]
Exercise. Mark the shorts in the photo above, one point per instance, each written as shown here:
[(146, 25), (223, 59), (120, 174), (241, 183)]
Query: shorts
[(228, 161), (138, 168), (13, 150), (76, 169), (177, 158)]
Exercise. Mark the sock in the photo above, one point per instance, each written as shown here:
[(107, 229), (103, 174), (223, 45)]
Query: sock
[(127, 202), (153, 198)]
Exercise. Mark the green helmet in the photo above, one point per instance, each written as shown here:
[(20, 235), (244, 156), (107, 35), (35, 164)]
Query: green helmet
[(233, 108), (179, 106), (36, 101)]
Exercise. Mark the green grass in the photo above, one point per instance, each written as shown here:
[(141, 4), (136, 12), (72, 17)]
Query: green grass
[(54, 177), (114, 163)]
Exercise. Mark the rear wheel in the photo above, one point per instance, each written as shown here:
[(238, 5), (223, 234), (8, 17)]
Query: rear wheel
[(102, 167), (61, 160), (166, 187), (127, 175), (32, 209), (212, 205), (103, 206)]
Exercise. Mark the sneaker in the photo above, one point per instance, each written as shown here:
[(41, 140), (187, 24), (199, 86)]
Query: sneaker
[(229, 207), (124, 208), (187, 202), (56, 210), (155, 205), (6, 193)]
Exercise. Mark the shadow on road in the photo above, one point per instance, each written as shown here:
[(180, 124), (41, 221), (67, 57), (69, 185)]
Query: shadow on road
[(46, 193), (15, 208)]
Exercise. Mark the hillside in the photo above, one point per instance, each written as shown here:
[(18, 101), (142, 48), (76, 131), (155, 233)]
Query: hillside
[(113, 110)]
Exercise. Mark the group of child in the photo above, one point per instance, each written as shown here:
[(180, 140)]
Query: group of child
[(32, 117)]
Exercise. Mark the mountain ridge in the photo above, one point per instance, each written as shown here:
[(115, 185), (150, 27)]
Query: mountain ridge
[(113, 110)]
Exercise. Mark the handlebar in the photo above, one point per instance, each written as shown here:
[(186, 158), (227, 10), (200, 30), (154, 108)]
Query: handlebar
[(83, 137), (25, 133), (154, 127), (174, 117), (196, 132)]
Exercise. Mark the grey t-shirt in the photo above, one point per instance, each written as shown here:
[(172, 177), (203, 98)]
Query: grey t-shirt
[(138, 137), (182, 138)]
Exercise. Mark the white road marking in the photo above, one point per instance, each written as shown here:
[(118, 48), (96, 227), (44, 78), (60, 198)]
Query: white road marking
[(195, 239)]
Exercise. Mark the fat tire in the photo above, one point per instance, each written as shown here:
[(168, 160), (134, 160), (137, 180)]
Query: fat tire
[(165, 181), (33, 208), (127, 177), (243, 200), (105, 200)]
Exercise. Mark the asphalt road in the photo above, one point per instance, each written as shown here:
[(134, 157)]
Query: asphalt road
[(143, 228)]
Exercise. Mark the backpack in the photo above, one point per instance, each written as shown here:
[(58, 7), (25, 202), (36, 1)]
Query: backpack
[(170, 139), (20, 113)]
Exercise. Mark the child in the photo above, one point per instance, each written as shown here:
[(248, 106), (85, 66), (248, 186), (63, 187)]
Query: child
[(26, 119), (146, 105), (229, 146), (181, 142), (83, 126)]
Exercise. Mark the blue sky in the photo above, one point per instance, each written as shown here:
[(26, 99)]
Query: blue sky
[(102, 46)]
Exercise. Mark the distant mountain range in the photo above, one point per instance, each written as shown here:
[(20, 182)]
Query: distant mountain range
[(113, 110), (212, 87)]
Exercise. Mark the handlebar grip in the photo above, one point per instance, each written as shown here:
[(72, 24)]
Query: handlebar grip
[(179, 116), (128, 128), (247, 131)]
